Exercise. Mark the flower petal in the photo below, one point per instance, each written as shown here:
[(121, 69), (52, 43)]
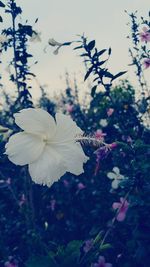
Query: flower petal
[(48, 168), (74, 157), (121, 216), (101, 260), (115, 184), (122, 200), (116, 205), (36, 121), (116, 170), (66, 129), (108, 265), (111, 175), (145, 29), (23, 148)]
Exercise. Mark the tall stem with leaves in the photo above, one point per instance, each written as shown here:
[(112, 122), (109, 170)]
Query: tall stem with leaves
[(18, 35)]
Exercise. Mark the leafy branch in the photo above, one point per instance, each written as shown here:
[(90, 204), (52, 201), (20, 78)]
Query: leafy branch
[(97, 65)]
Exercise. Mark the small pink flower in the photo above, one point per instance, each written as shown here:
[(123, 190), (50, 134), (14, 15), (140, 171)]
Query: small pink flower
[(113, 145), (9, 264), (69, 108), (146, 63), (145, 35), (101, 263), (81, 186), (66, 183), (22, 201), (129, 139), (100, 135), (122, 208), (88, 245), (101, 154), (110, 111), (52, 204), (8, 181)]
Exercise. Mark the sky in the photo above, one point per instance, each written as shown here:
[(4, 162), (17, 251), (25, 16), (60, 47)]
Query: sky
[(104, 21)]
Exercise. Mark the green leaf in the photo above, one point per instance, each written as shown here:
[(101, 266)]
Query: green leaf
[(118, 75), (78, 47), (88, 73), (101, 63), (95, 79), (67, 43), (72, 253), (93, 90), (84, 55), (105, 246), (91, 45), (108, 74), (109, 51), (98, 237), (41, 261), (101, 52)]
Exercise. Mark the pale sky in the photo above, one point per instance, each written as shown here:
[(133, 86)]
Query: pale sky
[(104, 21)]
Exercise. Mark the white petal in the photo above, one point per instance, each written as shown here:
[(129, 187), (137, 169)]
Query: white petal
[(73, 156), (66, 128), (111, 175), (52, 42), (115, 184), (56, 50), (23, 148), (36, 121), (116, 170), (48, 168)]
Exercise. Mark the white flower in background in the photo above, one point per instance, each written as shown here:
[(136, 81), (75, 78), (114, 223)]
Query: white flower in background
[(49, 147), (116, 176), (103, 122), (56, 51), (36, 37), (54, 43), (116, 126)]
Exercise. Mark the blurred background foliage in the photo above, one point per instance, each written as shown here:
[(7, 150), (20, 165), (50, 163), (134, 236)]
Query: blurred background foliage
[(48, 227)]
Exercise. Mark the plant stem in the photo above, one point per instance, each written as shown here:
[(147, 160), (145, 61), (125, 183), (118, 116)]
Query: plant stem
[(14, 49), (108, 231), (114, 219)]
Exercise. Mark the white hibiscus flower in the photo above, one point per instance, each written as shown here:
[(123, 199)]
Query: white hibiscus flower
[(49, 147), (116, 176), (54, 43)]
